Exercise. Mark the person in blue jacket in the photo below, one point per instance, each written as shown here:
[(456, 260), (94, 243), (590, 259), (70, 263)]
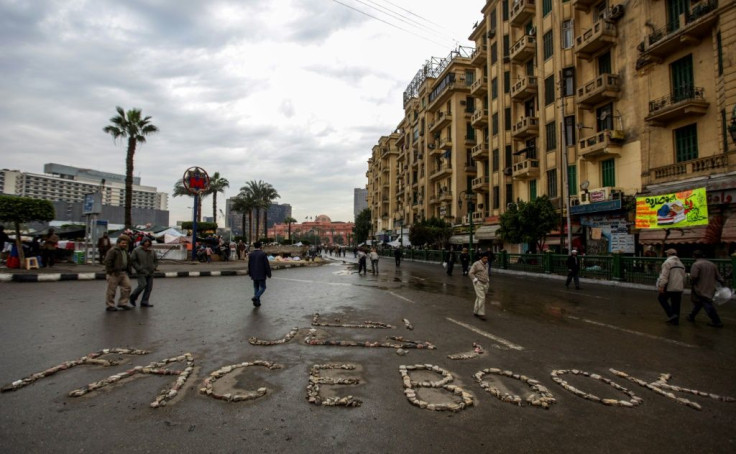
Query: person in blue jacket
[(258, 269)]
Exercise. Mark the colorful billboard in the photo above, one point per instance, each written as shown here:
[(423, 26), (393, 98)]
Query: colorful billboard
[(679, 209)]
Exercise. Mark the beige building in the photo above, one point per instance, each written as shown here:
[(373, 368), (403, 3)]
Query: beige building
[(615, 98)]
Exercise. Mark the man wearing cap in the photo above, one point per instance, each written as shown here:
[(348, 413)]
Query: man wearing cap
[(670, 284), (117, 268), (573, 269), (258, 269), (144, 262), (479, 274), (704, 275)]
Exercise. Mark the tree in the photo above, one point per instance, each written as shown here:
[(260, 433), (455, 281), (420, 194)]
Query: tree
[(130, 125), (180, 190), (244, 204), (269, 194), (289, 220), (432, 231), (529, 222), (263, 194), (19, 210), (217, 184), (362, 226)]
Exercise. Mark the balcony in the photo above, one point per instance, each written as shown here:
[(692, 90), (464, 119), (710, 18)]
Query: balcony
[(603, 145), (521, 12), (524, 89), (446, 196), (479, 55), (444, 170), (441, 119), (480, 152), (527, 128), (434, 148), (470, 139), (583, 5), (434, 199), (445, 143), (479, 88), (684, 102), (479, 216), (469, 168), (599, 90), (601, 36), (696, 167), (526, 169), (689, 29), (480, 184), (480, 118), (523, 49)]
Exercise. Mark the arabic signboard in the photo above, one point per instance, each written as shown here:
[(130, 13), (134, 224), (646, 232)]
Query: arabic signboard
[(675, 210)]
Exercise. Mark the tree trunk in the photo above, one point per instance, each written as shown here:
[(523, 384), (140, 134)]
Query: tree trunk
[(265, 223), (19, 245), (129, 182), (214, 206), (243, 228)]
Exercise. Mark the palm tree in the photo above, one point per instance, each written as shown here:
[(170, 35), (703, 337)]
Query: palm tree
[(244, 204), (269, 194), (180, 190), (217, 184), (289, 220), (132, 126)]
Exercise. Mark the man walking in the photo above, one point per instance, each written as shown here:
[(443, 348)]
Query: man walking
[(144, 262), (103, 245), (397, 256), (258, 269), (374, 260), (479, 274), (573, 269), (117, 267), (49, 248), (670, 284), (704, 275)]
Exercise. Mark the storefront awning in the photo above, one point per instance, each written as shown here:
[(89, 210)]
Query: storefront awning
[(728, 234), (460, 239), (701, 234), (486, 232)]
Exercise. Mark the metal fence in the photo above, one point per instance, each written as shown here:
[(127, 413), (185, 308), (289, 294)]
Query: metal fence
[(617, 267)]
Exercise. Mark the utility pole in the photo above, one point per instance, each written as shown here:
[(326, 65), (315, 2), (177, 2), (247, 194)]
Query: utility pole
[(564, 145)]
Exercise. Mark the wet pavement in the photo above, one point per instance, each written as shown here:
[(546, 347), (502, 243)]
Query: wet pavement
[(535, 328)]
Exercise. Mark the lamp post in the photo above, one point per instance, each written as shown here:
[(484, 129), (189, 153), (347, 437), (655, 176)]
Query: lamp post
[(469, 195)]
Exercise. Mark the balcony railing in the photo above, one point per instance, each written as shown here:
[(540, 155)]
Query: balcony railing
[(601, 36), (526, 128), (682, 102), (526, 169), (602, 145), (524, 89), (521, 12), (523, 49), (700, 166), (480, 184), (479, 55), (480, 152), (480, 117), (479, 88), (688, 29), (601, 89)]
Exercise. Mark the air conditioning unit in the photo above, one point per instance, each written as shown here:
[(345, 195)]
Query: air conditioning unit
[(574, 201), (618, 134), (532, 31), (616, 12), (507, 171), (584, 198)]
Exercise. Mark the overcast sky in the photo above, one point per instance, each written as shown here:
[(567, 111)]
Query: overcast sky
[(291, 92)]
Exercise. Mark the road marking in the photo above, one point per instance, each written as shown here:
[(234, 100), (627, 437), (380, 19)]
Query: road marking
[(500, 340), (305, 281), (401, 297), (617, 328)]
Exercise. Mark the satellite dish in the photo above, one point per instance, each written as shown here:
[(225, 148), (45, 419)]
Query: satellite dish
[(584, 185), (603, 116)]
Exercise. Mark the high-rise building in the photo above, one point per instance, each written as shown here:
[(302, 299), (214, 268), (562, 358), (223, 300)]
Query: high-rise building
[(360, 200), (616, 99)]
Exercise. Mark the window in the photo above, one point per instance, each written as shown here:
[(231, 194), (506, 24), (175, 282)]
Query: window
[(686, 143), (506, 45), (494, 124), (469, 132), (505, 11), (549, 90), (724, 130), (470, 104), (568, 82), (546, 7), (569, 131), (530, 67), (551, 136), (494, 88), (552, 183), (683, 80), (604, 64), (608, 172), (494, 53), (494, 158), (604, 117), (509, 193), (572, 180), (719, 45), (567, 31), (507, 119), (506, 81), (507, 156), (469, 77), (496, 197), (532, 190), (548, 43)]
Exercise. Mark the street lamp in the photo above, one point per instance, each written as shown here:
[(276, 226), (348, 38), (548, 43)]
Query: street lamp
[(470, 196)]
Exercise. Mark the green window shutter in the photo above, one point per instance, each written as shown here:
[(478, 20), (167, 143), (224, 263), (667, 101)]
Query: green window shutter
[(551, 136), (549, 90), (608, 171), (548, 43), (546, 7), (686, 143), (532, 190), (683, 81)]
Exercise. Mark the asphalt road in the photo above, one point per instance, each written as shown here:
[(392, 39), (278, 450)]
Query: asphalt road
[(535, 327)]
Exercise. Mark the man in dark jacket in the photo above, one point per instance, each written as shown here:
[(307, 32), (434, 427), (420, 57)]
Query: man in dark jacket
[(573, 269), (144, 262), (704, 275), (117, 268), (258, 270)]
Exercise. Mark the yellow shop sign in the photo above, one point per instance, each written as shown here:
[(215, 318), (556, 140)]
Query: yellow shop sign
[(679, 209)]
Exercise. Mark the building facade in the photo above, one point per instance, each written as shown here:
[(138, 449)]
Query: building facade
[(599, 100), (320, 231), (360, 200)]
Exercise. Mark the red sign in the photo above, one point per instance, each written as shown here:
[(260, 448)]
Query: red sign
[(196, 180)]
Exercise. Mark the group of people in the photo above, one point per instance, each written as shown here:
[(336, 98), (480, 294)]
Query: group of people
[(451, 258), (119, 263)]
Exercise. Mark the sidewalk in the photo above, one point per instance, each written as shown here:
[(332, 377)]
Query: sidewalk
[(69, 271)]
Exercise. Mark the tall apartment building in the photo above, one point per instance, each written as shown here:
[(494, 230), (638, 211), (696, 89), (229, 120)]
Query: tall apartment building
[(618, 98), (360, 200), (67, 186)]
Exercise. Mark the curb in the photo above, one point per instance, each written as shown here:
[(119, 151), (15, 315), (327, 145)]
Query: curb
[(55, 277)]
